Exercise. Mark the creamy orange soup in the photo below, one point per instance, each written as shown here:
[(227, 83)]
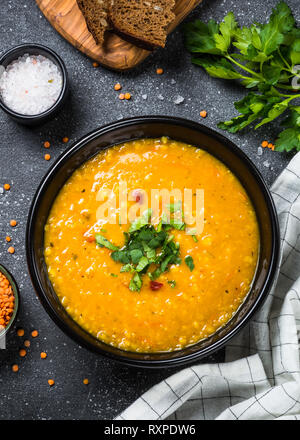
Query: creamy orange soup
[(190, 303)]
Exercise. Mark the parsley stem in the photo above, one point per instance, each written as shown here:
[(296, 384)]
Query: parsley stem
[(257, 75), (285, 87), (284, 60)]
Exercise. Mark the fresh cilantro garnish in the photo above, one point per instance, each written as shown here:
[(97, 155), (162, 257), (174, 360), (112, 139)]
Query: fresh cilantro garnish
[(172, 283), (189, 262), (136, 283), (264, 58), (146, 246), (103, 242), (141, 221)]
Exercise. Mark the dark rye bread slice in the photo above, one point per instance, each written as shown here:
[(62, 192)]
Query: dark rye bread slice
[(142, 22), (95, 14)]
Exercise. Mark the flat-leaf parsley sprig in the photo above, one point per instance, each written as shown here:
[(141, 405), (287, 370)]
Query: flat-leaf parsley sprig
[(149, 249), (264, 57)]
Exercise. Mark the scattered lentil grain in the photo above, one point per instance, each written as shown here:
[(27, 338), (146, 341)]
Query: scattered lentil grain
[(159, 71), (6, 186), (51, 382), (22, 352), (117, 86), (20, 332), (13, 223), (47, 144), (203, 113), (11, 250), (43, 355), (47, 157), (86, 381), (15, 368), (34, 333)]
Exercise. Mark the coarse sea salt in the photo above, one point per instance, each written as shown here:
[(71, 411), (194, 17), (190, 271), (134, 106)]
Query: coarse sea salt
[(31, 84)]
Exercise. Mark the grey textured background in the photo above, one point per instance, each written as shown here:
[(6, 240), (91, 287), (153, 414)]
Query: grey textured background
[(93, 102)]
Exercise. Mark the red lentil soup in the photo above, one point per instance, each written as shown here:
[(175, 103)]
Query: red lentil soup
[(194, 296)]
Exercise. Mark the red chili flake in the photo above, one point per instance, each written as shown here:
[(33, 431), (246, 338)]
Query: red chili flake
[(138, 196), (155, 285), (90, 238)]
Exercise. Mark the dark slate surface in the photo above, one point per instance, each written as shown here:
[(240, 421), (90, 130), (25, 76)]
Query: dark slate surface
[(26, 395)]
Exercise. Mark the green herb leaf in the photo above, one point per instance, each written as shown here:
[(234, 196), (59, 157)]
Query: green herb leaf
[(135, 283), (120, 256), (200, 37), (189, 262), (103, 242), (218, 67), (135, 255), (127, 268), (141, 221), (174, 207), (143, 262)]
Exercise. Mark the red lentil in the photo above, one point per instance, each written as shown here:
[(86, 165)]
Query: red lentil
[(20, 332)]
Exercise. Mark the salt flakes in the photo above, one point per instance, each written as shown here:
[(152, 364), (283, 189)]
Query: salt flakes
[(31, 84), (178, 99)]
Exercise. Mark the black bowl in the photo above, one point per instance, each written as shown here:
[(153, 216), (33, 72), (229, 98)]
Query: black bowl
[(36, 49), (154, 127)]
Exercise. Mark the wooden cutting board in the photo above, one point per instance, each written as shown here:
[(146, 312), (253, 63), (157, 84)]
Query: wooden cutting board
[(67, 19)]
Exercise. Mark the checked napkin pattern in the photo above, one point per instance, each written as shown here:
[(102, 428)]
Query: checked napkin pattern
[(260, 378)]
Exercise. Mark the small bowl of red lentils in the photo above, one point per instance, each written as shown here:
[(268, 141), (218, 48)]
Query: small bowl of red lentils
[(9, 301)]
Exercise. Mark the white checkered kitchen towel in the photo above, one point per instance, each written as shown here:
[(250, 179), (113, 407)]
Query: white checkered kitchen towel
[(261, 377)]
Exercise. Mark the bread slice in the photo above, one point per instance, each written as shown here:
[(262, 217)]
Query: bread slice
[(143, 22), (95, 14)]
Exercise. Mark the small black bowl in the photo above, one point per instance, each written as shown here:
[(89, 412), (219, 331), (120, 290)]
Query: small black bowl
[(36, 49), (15, 289), (154, 127)]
